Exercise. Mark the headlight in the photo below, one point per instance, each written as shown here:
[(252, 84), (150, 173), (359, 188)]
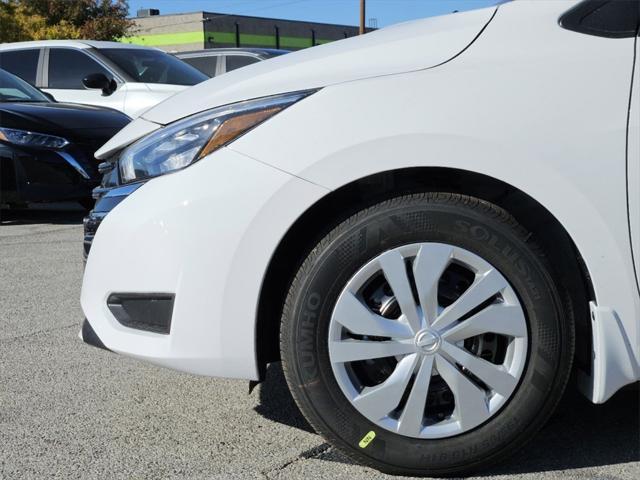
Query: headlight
[(32, 139), (186, 141)]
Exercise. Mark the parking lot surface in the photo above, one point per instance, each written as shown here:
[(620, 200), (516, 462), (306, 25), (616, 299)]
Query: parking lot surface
[(68, 410)]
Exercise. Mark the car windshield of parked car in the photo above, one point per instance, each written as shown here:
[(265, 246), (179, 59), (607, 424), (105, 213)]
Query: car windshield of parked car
[(13, 89), (153, 66)]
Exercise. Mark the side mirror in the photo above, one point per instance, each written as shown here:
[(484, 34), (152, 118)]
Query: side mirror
[(100, 81), (49, 96)]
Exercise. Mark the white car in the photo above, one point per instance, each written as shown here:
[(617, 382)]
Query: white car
[(125, 77), (218, 61), (432, 226)]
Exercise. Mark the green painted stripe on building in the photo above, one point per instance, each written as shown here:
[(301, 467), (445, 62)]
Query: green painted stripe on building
[(220, 37), (165, 39), (251, 39), (160, 39), (295, 42)]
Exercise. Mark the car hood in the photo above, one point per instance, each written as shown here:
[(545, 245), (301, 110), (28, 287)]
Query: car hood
[(71, 121), (401, 48), (166, 88)]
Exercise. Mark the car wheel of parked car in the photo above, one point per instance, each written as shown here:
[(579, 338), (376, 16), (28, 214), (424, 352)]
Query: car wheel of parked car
[(426, 335)]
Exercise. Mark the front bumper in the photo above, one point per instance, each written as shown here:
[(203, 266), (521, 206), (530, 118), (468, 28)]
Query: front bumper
[(106, 201), (40, 175), (206, 235), (89, 336)]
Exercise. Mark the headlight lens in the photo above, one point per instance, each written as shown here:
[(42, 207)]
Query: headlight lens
[(186, 141), (32, 139)]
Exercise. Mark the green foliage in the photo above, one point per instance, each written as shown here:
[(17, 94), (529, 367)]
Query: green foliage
[(62, 19)]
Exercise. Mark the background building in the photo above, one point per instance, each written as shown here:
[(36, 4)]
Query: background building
[(198, 30)]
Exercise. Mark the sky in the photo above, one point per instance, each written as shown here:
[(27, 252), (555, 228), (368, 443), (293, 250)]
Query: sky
[(385, 12)]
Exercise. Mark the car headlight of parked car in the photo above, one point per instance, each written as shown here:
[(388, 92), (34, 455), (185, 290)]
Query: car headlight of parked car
[(186, 141), (32, 139)]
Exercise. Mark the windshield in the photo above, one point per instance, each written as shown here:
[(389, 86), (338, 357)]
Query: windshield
[(13, 89), (153, 66)]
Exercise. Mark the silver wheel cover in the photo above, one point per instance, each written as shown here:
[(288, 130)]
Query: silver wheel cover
[(427, 341)]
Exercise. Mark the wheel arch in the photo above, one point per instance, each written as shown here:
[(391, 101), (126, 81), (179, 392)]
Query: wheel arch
[(341, 203)]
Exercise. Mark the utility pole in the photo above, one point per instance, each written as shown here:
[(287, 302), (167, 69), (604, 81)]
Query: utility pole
[(362, 16)]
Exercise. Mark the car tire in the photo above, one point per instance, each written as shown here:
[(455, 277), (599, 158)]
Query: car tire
[(332, 392)]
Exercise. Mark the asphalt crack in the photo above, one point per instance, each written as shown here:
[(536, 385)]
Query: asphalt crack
[(39, 332), (314, 452)]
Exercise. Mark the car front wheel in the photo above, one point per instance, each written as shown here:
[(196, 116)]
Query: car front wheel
[(426, 335)]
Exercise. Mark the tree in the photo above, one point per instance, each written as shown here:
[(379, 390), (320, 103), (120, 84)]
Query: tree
[(108, 21), (49, 19), (11, 24)]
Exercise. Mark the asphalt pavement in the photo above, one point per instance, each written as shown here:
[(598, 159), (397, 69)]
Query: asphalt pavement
[(68, 410)]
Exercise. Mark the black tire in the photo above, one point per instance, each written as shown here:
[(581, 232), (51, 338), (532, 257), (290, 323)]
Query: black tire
[(479, 227)]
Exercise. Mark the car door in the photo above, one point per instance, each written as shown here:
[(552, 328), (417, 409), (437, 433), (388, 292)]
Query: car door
[(207, 64), (22, 63), (633, 163), (64, 72), (233, 62)]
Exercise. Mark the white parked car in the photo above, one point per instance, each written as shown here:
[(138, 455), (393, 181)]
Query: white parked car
[(432, 226), (218, 61), (125, 77)]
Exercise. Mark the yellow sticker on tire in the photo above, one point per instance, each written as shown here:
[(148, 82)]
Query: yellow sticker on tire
[(367, 439)]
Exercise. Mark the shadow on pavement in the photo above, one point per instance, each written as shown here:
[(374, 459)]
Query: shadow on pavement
[(276, 402), (579, 435), (55, 214)]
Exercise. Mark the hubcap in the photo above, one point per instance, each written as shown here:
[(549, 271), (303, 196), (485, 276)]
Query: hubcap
[(428, 340)]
